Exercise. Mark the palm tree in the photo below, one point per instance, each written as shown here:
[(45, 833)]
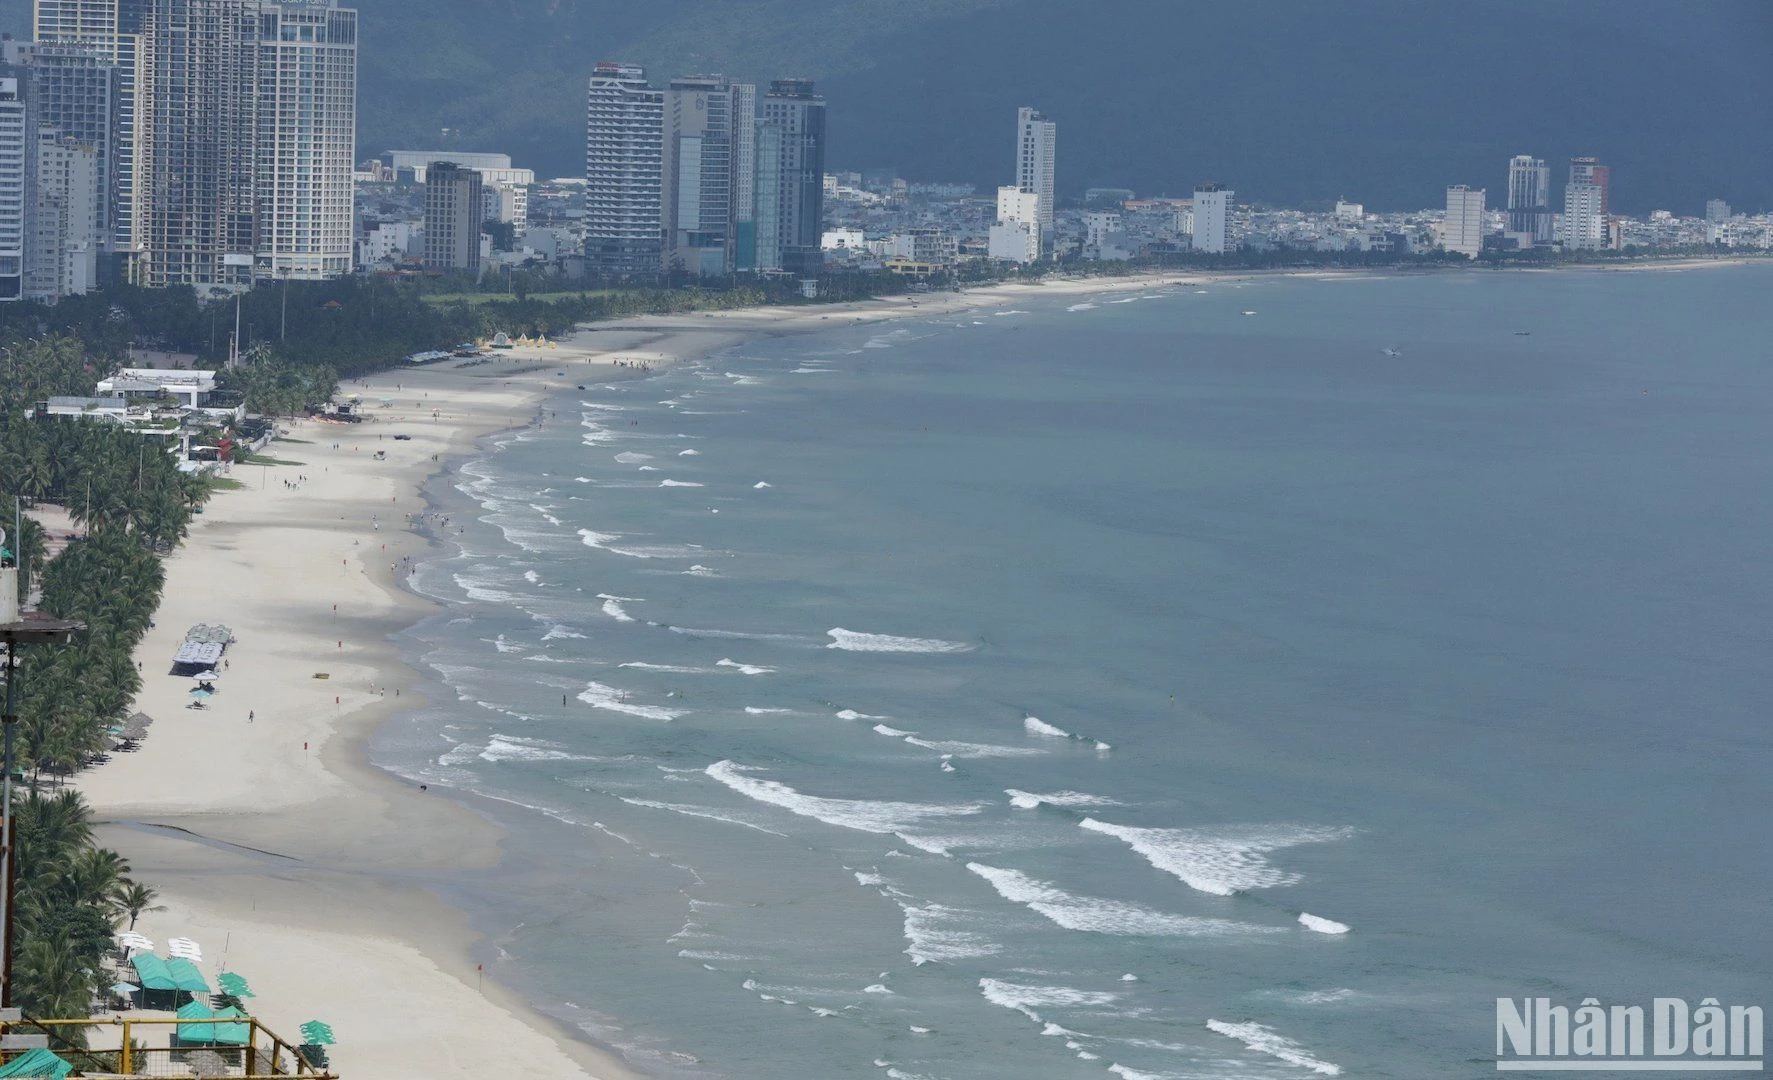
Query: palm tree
[(133, 898)]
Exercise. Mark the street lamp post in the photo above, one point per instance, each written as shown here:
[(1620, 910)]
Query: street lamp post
[(16, 628)]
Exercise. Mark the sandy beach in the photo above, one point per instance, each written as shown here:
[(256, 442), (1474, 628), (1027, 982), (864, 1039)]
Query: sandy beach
[(275, 844)]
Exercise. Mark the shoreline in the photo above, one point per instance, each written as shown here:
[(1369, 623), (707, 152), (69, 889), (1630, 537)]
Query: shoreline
[(313, 871)]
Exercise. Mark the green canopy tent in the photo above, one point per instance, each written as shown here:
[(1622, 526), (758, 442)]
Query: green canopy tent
[(37, 1063), (185, 976), (152, 972), (210, 1034)]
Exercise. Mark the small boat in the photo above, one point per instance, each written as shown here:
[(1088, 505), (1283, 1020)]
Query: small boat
[(1523, 333), (1392, 350)]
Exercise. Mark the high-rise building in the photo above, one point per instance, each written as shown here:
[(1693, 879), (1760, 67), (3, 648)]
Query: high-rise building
[(453, 215), (112, 29), (760, 245), (710, 128), (244, 141), (14, 164), (1464, 226), (798, 114), (1716, 211), (1212, 218), (73, 92), (1529, 200), (1036, 141), (66, 221), (624, 171), (1587, 206), (306, 138), (1016, 236)]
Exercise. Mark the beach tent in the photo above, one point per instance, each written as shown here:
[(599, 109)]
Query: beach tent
[(152, 973), (186, 948), (129, 939), (35, 1063), (185, 975), (218, 1034)]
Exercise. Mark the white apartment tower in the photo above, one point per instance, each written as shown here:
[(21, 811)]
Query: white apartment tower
[(244, 141), (1529, 200), (67, 219), (1016, 236), (624, 171), (112, 30), (1587, 224), (1212, 218), (306, 138), (1464, 226), (14, 162), (1036, 140)]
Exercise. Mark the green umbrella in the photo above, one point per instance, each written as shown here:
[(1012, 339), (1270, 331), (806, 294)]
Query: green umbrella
[(317, 1033), (234, 985)]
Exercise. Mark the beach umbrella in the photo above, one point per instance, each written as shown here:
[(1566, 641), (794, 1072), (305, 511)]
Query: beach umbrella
[(317, 1033), (184, 949), (234, 985), (124, 988), (131, 940)]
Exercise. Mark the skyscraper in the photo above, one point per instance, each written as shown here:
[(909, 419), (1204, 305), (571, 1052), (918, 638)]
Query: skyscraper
[(1586, 225), (67, 218), (453, 217), (1464, 226), (1529, 199), (112, 29), (1212, 218), (306, 138), (1016, 236), (14, 161), (1036, 141), (624, 170), (798, 117), (710, 127)]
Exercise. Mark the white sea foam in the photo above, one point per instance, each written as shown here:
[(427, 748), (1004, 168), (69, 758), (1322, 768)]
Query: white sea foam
[(937, 934), (1222, 861), (542, 510), (679, 483), (1322, 925), (532, 577), (1036, 726), (512, 748), (504, 646), (697, 811), (1025, 998), (673, 669), (612, 606), (561, 631), (1099, 916), (864, 877), (1081, 307), (632, 457), (757, 711), (892, 732), (1264, 1040), (876, 988), (853, 641), (947, 766), (607, 542), (745, 669), (953, 748), (866, 815), (1134, 1074), (851, 714), (761, 484), (599, 696), (477, 588), (692, 452), (701, 571), (1028, 800)]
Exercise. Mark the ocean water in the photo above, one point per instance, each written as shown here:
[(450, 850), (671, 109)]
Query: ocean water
[(1165, 685)]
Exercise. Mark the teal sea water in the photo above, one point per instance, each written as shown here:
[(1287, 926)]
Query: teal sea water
[(1166, 685)]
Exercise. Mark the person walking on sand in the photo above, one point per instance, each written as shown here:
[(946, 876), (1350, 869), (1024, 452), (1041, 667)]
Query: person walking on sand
[(249, 715)]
